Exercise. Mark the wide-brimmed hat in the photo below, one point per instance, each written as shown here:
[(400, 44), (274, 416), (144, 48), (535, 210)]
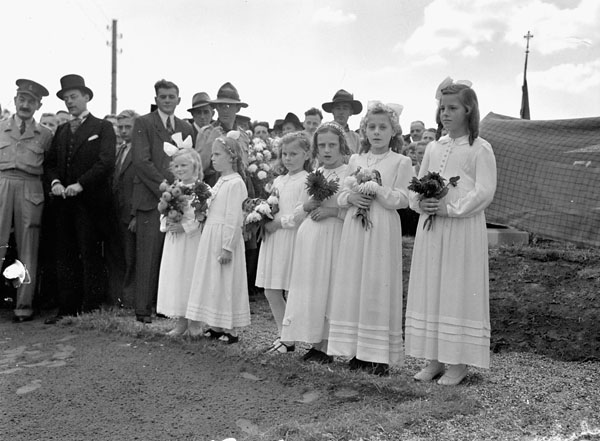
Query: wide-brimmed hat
[(32, 88), (228, 94), (289, 118), (73, 81), (342, 96), (199, 100)]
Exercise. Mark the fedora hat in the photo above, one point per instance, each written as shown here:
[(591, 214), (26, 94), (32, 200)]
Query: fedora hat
[(341, 96), (200, 99), (289, 118), (73, 81), (228, 94)]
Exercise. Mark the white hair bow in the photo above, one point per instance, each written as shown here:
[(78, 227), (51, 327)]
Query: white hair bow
[(17, 273), (180, 143), (448, 81), (234, 134), (397, 108)]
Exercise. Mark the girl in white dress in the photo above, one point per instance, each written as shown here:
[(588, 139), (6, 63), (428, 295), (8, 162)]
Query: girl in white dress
[(447, 314), (276, 251), (219, 290), (181, 244), (365, 311), (316, 251)]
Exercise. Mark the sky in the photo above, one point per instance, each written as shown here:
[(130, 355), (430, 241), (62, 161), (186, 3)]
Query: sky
[(289, 55)]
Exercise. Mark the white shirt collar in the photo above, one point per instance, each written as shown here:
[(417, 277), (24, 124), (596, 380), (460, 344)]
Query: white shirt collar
[(164, 116)]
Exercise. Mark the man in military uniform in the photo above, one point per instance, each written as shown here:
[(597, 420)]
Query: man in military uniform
[(23, 143)]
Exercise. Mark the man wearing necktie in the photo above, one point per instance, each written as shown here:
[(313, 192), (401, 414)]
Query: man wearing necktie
[(120, 244), (23, 144), (79, 164), (151, 166)]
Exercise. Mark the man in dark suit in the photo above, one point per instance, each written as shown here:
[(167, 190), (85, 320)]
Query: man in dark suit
[(79, 163), (122, 242), (151, 165)]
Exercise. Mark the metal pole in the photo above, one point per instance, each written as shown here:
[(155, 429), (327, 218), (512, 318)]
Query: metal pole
[(113, 92)]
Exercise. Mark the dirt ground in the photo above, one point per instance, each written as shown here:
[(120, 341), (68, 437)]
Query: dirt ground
[(64, 383)]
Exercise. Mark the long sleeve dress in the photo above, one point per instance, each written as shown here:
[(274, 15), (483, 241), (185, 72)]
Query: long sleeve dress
[(314, 264), (219, 292), (177, 265), (447, 314), (277, 248), (365, 311)]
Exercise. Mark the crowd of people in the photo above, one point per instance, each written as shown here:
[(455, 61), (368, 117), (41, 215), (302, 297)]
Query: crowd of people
[(93, 201)]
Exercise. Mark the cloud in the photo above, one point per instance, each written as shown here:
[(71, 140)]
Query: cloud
[(470, 52), (462, 26), (336, 17), (432, 60), (568, 78)]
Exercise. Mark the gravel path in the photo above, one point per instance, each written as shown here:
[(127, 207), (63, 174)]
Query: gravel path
[(62, 384)]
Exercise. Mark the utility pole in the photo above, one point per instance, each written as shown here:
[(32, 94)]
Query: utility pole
[(525, 96), (113, 90)]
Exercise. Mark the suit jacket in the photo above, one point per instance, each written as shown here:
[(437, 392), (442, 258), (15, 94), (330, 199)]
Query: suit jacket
[(151, 163), (91, 162), (122, 188)]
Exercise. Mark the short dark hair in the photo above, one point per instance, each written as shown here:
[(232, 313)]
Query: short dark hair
[(314, 111), (164, 84)]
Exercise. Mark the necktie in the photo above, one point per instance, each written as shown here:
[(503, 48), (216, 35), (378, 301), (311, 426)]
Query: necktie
[(169, 126), (74, 123), (120, 156), (22, 126)]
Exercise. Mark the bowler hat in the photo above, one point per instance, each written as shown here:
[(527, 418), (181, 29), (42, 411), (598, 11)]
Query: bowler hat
[(199, 100), (228, 94), (32, 88), (73, 81), (341, 96)]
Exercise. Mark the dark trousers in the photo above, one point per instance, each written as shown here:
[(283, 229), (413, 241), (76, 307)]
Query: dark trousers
[(149, 246), (127, 240), (80, 267)]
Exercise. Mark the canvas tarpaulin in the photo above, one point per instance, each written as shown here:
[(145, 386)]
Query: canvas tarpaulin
[(548, 176)]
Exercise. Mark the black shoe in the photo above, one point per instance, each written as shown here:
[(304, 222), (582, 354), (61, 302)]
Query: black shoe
[(159, 315), (22, 318), (228, 338), (356, 364), (53, 320), (145, 319), (212, 334), (312, 352), (317, 356)]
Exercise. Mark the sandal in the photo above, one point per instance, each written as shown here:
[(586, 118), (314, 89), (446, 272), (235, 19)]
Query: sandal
[(213, 335), (282, 348), (228, 338)]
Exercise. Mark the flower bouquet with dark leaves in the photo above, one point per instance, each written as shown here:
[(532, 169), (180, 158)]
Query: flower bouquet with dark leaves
[(201, 197), (319, 188), (431, 185)]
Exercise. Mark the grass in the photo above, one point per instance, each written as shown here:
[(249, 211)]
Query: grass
[(523, 396)]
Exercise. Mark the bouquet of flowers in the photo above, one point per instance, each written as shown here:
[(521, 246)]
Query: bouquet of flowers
[(177, 196), (201, 197), (364, 181), (319, 188), (259, 166), (257, 212), (173, 201), (431, 185)]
